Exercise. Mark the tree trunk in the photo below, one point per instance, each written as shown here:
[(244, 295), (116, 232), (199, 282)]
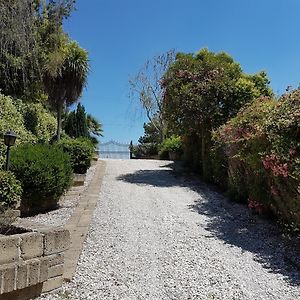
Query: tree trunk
[(59, 121)]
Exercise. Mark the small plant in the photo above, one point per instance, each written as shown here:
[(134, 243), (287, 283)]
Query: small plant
[(10, 191), (45, 173), (81, 151), (171, 145)]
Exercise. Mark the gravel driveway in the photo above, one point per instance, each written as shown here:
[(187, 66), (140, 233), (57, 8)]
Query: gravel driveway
[(157, 236)]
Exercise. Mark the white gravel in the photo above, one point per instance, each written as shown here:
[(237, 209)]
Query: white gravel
[(157, 236), (67, 204)]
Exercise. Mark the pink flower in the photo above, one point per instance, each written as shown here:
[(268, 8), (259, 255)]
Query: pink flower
[(271, 162)]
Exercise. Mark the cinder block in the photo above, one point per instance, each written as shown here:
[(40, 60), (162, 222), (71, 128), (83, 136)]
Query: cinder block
[(9, 249), (33, 271), (21, 279), (55, 259), (8, 278), (44, 269), (56, 241), (56, 271), (31, 245), (52, 284)]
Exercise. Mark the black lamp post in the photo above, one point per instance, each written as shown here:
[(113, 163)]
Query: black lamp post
[(9, 140)]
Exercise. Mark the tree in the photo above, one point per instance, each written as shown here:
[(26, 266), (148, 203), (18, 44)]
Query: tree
[(94, 126), (29, 30), (70, 125), (19, 59), (151, 134), (146, 88), (202, 91), (64, 83), (80, 124), (81, 121)]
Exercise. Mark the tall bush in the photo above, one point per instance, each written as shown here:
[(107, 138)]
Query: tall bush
[(12, 118), (262, 156), (45, 173)]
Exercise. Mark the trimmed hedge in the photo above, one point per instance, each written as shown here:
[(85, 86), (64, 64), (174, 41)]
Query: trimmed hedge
[(10, 190), (81, 152), (45, 173)]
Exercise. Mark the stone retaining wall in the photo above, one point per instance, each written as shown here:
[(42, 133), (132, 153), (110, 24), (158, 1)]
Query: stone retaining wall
[(32, 263)]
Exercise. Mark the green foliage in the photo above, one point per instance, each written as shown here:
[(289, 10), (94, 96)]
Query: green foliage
[(171, 144), (79, 124), (76, 123), (81, 121), (19, 63), (65, 80), (31, 122), (94, 126), (45, 173), (38, 120), (144, 150), (262, 147), (10, 191), (81, 151), (202, 92), (170, 148), (12, 118), (31, 32), (151, 134), (149, 142), (70, 125)]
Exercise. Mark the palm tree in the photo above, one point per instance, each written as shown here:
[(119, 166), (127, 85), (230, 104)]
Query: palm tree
[(65, 77), (94, 126)]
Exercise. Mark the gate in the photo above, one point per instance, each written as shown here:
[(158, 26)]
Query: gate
[(114, 150)]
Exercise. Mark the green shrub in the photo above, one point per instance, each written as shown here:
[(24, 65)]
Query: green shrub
[(81, 151), (12, 118), (262, 154), (45, 173), (39, 121), (10, 190), (171, 144), (144, 150), (31, 122)]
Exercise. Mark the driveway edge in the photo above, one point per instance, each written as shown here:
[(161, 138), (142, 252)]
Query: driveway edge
[(79, 223)]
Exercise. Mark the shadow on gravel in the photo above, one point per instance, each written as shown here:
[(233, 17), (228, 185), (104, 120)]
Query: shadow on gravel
[(158, 178), (232, 222), (236, 225)]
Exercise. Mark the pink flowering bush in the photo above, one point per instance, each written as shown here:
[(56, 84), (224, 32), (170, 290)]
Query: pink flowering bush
[(261, 156)]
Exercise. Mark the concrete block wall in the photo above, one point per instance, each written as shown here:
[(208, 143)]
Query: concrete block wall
[(32, 262)]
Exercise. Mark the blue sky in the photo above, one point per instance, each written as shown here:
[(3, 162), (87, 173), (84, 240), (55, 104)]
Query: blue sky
[(121, 35)]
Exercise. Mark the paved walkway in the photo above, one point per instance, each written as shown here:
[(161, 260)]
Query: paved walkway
[(158, 236), (79, 223)]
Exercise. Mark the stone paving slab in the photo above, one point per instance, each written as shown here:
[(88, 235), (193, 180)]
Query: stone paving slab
[(79, 223)]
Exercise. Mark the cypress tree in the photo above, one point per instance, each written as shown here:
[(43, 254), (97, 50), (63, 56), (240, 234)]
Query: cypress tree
[(82, 129), (71, 125)]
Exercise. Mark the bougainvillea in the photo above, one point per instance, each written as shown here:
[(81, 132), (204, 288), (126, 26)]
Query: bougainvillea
[(261, 147)]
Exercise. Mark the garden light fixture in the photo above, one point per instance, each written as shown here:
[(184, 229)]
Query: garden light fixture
[(9, 140)]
